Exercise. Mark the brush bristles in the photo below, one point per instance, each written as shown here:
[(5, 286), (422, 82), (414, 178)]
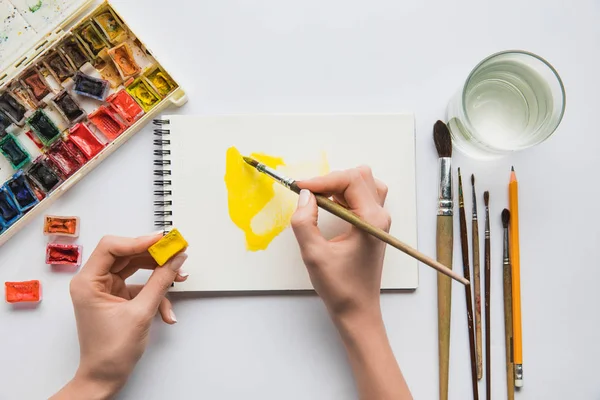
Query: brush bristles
[(505, 218), (251, 161), (486, 198), (472, 180), (442, 139)]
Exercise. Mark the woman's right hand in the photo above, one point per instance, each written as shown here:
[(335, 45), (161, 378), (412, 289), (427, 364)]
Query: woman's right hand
[(346, 273), (346, 270)]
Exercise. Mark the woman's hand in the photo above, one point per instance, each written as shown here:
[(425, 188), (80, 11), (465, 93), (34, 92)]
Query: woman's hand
[(346, 273), (346, 270), (113, 318)]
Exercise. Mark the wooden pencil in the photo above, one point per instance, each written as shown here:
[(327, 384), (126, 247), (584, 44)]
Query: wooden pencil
[(477, 283), (513, 202), (464, 244), (508, 322), (487, 277)]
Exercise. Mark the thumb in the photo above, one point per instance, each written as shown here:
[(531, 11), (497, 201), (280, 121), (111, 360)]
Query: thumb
[(159, 282), (304, 223)]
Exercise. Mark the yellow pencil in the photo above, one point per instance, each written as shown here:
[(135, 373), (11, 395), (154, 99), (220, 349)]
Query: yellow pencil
[(513, 202)]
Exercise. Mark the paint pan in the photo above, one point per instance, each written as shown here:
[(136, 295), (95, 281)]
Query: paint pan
[(43, 175), (22, 192), (12, 107), (63, 254), (123, 59), (14, 152), (62, 159), (85, 140), (89, 86), (58, 66), (143, 94), (125, 106), (68, 107), (9, 212), (36, 84), (107, 123), (161, 81), (43, 127), (91, 39), (74, 52), (110, 26)]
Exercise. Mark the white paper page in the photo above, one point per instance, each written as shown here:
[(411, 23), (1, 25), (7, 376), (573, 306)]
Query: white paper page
[(218, 259)]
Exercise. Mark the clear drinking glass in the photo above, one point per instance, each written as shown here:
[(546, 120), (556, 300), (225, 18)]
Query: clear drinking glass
[(511, 101)]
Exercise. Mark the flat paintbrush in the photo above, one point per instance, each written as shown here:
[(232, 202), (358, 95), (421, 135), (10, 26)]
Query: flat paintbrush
[(348, 216), (477, 283), (488, 339), (464, 244), (444, 247), (508, 316)]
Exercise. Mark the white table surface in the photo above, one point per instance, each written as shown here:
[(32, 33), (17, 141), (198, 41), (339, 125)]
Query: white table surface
[(344, 56)]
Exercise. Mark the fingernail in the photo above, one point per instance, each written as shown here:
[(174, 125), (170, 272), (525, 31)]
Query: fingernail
[(176, 262), (172, 315), (303, 198), (182, 273)]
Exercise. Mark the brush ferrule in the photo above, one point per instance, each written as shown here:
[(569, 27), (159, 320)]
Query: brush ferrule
[(284, 180), (506, 252), (445, 205)]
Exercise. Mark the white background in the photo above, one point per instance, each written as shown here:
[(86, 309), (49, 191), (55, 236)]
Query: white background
[(344, 56)]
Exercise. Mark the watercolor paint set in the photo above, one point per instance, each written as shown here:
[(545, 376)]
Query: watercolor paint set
[(75, 84)]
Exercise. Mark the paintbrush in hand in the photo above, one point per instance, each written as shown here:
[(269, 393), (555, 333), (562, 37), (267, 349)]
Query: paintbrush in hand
[(488, 343), (348, 216), (476, 282), (444, 246), (508, 317), (464, 244)]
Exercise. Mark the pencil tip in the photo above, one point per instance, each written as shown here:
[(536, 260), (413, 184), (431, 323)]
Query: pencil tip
[(512, 168), (473, 179)]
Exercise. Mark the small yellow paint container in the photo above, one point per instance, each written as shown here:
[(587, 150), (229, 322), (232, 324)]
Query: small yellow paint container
[(171, 244)]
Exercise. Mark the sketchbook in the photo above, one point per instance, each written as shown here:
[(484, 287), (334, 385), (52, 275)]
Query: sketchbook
[(237, 224)]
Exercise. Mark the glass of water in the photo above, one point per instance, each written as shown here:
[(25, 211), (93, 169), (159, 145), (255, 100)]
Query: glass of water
[(511, 101)]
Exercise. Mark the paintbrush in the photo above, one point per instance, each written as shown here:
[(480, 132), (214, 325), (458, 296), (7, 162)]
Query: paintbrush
[(476, 282), (488, 343), (508, 321), (464, 244), (348, 216), (444, 246)]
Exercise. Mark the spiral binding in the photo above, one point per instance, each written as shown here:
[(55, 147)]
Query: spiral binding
[(162, 184)]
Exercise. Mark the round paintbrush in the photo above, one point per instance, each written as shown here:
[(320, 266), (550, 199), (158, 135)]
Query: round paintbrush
[(464, 244), (444, 247), (488, 342), (508, 317), (477, 283)]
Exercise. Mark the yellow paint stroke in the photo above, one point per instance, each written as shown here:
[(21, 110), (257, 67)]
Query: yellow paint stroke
[(259, 206)]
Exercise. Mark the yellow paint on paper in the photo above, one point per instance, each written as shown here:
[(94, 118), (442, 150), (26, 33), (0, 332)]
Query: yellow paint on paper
[(170, 244), (258, 205)]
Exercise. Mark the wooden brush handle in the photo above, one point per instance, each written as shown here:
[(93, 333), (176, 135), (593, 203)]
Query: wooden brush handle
[(477, 295), (444, 246), (508, 331), (348, 216), (488, 339), (464, 244)]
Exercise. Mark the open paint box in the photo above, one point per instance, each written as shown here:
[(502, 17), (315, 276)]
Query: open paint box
[(75, 84)]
